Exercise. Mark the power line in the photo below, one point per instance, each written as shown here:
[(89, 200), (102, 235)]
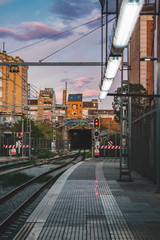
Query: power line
[(69, 44), (75, 41), (69, 30)]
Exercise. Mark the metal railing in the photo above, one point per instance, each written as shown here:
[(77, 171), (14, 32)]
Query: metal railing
[(144, 145)]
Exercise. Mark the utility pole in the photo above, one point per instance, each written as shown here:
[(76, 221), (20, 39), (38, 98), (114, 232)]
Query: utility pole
[(29, 121), (65, 127), (53, 147), (22, 134)]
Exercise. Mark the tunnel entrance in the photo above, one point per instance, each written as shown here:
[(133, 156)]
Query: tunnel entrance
[(80, 138)]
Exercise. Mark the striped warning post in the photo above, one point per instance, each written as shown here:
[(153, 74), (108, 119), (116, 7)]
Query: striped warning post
[(111, 147), (110, 143), (15, 146)]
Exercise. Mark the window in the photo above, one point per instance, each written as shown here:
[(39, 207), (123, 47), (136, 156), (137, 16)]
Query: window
[(74, 106)]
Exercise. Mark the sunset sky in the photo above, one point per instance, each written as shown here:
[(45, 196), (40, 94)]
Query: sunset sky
[(24, 22)]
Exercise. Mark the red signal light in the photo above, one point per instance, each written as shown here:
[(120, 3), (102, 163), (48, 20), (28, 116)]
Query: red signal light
[(96, 123), (21, 134)]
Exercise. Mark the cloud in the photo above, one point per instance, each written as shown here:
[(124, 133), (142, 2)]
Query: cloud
[(70, 10), (81, 82), (65, 80), (2, 2), (31, 31), (91, 93)]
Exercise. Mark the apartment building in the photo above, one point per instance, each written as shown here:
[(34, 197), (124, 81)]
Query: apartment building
[(75, 108), (45, 104), (34, 109), (13, 88)]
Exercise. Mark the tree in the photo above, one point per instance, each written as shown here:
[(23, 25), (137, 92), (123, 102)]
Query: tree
[(38, 130), (138, 103)]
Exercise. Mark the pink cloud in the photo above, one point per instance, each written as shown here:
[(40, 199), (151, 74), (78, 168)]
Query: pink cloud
[(30, 31), (81, 81), (91, 93)]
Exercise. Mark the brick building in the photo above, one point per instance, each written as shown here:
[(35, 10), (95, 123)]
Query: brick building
[(141, 45), (13, 88), (45, 100), (87, 106)]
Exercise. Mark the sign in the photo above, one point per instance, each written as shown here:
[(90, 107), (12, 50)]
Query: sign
[(96, 152), (123, 141), (13, 152)]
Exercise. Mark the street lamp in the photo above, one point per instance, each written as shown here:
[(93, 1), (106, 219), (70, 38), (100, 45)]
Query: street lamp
[(149, 58)]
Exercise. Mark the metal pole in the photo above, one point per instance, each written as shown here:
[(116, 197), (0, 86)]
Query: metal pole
[(54, 127), (158, 127), (0, 138), (22, 134), (130, 133), (104, 147)]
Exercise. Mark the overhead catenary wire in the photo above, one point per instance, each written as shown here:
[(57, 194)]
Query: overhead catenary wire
[(74, 41), (69, 44), (59, 49), (56, 35)]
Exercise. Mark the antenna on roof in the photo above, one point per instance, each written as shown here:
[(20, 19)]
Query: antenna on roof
[(3, 46)]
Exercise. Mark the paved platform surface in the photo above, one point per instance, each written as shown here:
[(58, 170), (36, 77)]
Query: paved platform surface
[(87, 202)]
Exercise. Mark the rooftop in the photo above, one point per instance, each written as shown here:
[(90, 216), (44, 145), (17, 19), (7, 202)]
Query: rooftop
[(75, 97)]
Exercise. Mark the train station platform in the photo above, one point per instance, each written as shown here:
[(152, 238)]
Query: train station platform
[(87, 202)]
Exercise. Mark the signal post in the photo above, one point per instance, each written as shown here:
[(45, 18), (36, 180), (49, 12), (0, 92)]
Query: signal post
[(96, 133)]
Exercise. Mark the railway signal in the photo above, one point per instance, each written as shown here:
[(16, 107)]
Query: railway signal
[(19, 135), (96, 135), (96, 123)]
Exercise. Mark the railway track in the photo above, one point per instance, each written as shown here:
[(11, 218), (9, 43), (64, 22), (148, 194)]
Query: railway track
[(12, 169), (14, 203)]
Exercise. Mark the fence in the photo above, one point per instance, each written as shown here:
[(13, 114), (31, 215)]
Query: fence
[(22, 149), (144, 145)]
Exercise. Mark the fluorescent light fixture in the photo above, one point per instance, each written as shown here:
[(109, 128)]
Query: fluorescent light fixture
[(112, 66), (107, 82), (103, 95), (129, 13), (105, 87)]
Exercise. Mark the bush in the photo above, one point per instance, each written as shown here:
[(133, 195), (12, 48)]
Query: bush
[(88, 154), (43, 154)]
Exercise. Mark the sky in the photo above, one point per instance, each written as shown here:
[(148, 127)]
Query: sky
[(28, 23)]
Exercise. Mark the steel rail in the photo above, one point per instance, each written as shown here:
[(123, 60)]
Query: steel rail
[(33, 165), (17, 210), (22, 186)]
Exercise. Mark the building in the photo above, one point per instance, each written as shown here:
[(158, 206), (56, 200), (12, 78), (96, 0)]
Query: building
[(141, 45), (13, 88), (75, 108), (45, 104), (87, 106), (34, 109)]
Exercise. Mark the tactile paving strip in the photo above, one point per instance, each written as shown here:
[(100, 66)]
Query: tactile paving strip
[(91, 205)]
